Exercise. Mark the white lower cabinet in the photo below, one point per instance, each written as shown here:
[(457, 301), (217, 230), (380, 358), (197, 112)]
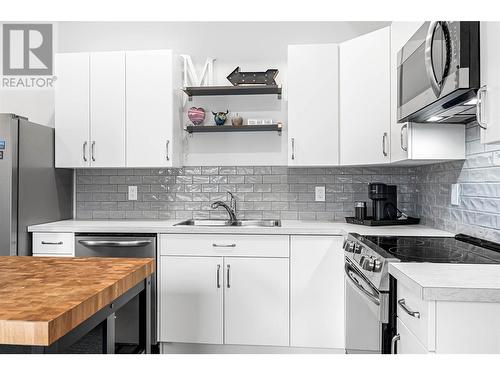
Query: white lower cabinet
[(408, 342), (239, 297), (252, 290), (445, 327), (256, 301), (191, 301), (53, 244), (317, 292)]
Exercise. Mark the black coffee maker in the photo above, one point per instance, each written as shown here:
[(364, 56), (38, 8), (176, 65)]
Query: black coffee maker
[(385, 201)]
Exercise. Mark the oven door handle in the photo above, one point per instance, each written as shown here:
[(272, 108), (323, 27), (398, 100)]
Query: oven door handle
[(371, 296)]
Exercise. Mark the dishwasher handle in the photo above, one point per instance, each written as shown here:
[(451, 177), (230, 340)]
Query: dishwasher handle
[(107, 243)]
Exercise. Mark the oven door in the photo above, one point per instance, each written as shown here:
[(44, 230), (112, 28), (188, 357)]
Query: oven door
[(429, 68), (366, 312)]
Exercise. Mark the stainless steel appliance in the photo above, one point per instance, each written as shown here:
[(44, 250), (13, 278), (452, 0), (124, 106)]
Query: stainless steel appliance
[(123, 246), (32, 191), (439, 74), (371, 292)]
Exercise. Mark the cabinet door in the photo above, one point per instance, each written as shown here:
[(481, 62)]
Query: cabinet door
[(256, 301), (107, 109), (191, 299), (150, 107), (401, 32), (72, 110), (317, 292), (313, 123), (408, 342), (490, 77), (365, 99)]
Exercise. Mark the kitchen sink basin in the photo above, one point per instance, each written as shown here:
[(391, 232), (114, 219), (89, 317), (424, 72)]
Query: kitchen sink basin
[(227, 223)]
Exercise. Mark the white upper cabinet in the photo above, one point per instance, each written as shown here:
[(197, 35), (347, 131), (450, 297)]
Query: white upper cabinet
[(72, 103), (490, 81), (107, 109), (313, 105), (152, 110), (117, 109), (365, 99)]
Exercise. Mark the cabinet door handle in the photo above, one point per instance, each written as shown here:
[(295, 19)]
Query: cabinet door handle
[(405, 308), (223, 245), (93, 150), (293, 148), (228, 274), (479, 108), (218, 276), (384, 137), (394, 340), (167, 143), (85, 151), (403, 147), (51, 243)]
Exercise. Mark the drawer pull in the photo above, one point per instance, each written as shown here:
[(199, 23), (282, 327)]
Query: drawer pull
[(402, 303), (223, 245), (51, 243)]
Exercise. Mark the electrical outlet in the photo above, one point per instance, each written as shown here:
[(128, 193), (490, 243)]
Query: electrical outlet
[(455, 194), (132, 193), (319, 193)]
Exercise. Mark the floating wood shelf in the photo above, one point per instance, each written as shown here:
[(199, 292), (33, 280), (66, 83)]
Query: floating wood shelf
[(229, 128), (232, 90)]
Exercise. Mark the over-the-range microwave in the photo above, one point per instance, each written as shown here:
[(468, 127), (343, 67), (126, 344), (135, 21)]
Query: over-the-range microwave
[(439, 74)]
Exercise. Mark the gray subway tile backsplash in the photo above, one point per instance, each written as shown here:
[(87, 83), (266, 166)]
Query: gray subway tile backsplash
[(262, 191)]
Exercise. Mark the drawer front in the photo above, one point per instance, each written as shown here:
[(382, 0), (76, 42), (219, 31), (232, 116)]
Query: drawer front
[(54, 244), (419, 316), (408, 342), (224, 245)]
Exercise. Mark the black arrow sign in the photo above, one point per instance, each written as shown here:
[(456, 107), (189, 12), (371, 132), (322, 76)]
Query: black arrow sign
[(252, 78)]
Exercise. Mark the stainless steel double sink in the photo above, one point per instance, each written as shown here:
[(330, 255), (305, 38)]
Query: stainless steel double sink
[(227, 223)]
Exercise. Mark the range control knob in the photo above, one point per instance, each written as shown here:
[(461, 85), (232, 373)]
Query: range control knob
[(349, 246), (367, 263), (378, 266), (357, 248)]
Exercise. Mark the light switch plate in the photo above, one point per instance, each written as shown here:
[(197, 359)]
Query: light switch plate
[(455, 194), (132, 193), (319, 193)]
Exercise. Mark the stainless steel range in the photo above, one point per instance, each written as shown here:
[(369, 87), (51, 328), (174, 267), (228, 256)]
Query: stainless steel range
[(370, 290)]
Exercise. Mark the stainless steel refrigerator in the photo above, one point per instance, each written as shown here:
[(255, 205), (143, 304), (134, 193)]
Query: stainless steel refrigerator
[(32, 191)]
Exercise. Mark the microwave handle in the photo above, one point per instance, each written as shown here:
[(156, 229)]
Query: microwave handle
[(428, 60)]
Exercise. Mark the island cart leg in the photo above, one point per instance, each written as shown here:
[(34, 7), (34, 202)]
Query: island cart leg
[(108, 335), (145, 317)]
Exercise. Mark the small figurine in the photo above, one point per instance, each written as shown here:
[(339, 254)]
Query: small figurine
[(196, 115), (220, 117), (237, 120)]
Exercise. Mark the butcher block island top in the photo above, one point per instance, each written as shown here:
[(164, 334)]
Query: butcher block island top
[(43, 298)]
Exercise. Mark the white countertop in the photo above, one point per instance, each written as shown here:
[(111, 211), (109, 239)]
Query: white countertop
[(287, 227), (450, 282)]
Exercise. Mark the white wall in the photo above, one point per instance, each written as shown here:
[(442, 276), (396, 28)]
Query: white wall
[(250, 45)]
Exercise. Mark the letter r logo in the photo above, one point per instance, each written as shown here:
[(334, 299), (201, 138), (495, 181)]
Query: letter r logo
[(27, 49)]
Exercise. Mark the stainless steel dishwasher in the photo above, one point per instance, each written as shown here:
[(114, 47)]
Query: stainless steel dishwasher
[(123, 246)]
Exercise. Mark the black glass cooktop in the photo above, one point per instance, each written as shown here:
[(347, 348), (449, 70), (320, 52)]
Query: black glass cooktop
[(459, 249)]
